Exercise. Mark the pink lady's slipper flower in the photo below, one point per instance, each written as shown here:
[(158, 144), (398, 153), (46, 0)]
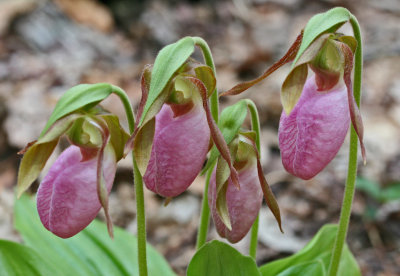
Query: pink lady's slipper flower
[(179, 149), (234, 210), (243, 204), (311, 136), (172, 139), (78, 183), (67, 199), (317, 110)]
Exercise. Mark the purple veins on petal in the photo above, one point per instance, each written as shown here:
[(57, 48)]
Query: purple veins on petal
[(243, 204), (67, 199), (311, 136), (179, 149)]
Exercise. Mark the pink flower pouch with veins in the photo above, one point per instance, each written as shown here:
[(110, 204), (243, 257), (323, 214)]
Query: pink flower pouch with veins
[(311, 136)]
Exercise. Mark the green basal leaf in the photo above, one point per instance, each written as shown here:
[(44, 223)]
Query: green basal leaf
[(17, 259), (369, 187), (321, 23), (314, 268), (219, 259), (230, 121), (373, 189), (91, 252), (391, 192), (168, 61), (78, 97), (319, 249), (32, 163)]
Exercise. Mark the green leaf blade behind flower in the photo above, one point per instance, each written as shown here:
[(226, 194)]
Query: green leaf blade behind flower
[(17, 259), (90, 253), (76, 98), (168, 61), (319, 249), (220, 259), (321, 23)]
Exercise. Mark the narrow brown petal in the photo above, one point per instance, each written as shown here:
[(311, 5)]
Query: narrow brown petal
[(25, 149), (145, 84), (355, 114), (216, 134), (101, 185), (269, 196), (288, 57)]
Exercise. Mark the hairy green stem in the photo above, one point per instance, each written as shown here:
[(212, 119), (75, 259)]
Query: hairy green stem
[(140, 210), (352, 168), (205, 210), (205, 213), (255, 124)]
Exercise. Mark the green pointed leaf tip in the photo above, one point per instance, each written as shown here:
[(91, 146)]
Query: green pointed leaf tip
[(76, 98), (321, 23), (89, 253), (168, 61), (219, 259), (230, 121), (319, 249)]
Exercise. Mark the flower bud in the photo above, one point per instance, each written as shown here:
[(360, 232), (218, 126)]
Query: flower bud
[(243, 204), (179, 149), (67, 199), (312, 134)]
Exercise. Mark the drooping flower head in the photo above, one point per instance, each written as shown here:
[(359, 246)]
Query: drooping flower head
[(78, 183), (316, 113), (173, 137), (234, 208)]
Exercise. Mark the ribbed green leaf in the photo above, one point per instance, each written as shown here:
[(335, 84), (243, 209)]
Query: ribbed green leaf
[(91, 252), (319, 249), (17, 259), (76, 98), (328, 21), (168, 61), (220, 259)]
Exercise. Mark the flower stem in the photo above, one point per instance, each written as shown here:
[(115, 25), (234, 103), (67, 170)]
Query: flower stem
[(140, 212), (210, 62), (352, 168), (205, 210), (255, 124), (205, 213)]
